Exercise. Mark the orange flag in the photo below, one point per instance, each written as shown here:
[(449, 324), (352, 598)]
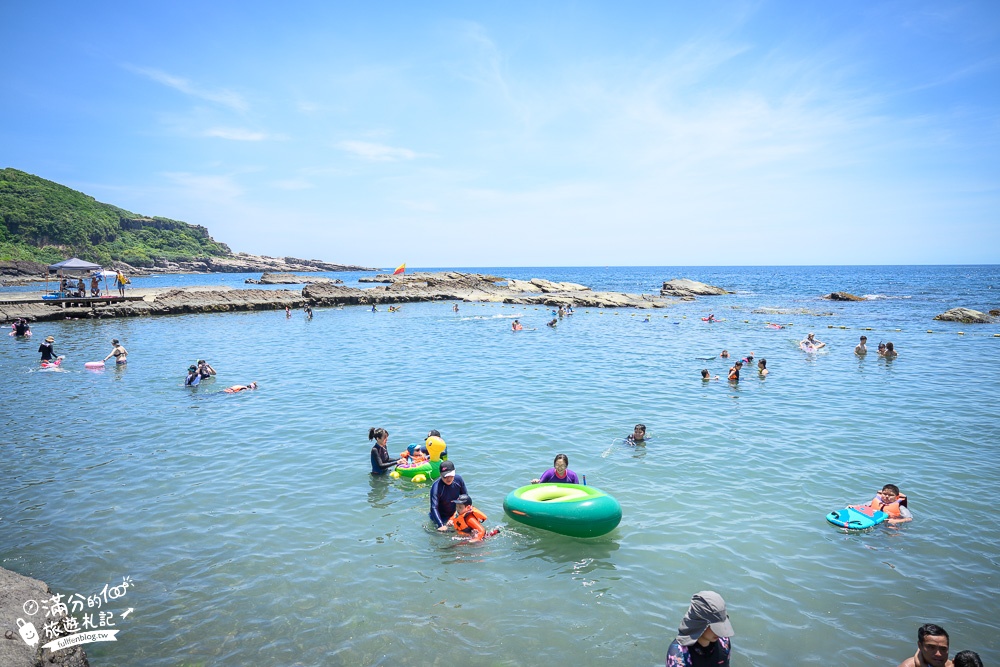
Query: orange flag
[(400, 269)]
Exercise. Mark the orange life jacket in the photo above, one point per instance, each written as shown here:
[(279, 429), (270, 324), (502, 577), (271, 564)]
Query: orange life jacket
[(892, 509), (461, 523)]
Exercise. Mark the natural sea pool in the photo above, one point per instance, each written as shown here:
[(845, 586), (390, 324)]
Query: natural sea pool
[(254, 534)]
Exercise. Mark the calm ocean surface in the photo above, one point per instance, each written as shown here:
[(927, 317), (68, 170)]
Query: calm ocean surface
[(254, 534)]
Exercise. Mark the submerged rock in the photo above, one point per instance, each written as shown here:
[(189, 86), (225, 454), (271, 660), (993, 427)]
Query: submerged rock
[(688, 287), (843, 296), (965, 316)]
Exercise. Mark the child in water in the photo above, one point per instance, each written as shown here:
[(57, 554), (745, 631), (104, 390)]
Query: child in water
[(240, 387), (890, 501), (468, 521), (706, 376), (637, 436), (516, 325), (734, 372)]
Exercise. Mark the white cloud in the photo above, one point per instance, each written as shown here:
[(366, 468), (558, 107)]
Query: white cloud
[(206, 186), (222, 96), (235, 134), (376, 152)]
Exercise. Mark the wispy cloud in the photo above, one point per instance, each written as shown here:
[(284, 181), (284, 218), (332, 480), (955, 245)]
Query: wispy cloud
[(206, 186), (376, 152), (235, 134), (221, 96)]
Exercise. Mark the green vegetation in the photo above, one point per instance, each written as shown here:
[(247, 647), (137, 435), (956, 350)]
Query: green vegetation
[(47, 222)]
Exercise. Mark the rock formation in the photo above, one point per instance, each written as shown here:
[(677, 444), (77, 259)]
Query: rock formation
[(293, 279), (688, 287), (15, 591), (843, 296), (965, 316)]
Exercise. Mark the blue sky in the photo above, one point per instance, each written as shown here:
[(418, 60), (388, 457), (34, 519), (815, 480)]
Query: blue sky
[(555, 133)]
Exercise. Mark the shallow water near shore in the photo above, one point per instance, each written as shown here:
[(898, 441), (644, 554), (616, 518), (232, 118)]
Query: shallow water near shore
[(254, 534)]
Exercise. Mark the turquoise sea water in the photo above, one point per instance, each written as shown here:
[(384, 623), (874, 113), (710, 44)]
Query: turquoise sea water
[(254, 534)]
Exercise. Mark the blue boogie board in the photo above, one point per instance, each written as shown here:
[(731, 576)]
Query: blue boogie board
[(853, 519)]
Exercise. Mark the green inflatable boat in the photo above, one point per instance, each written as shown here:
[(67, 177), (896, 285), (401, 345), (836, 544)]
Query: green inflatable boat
[(568, 509)]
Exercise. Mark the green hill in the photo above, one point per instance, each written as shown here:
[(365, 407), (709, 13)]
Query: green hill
[(47, 222)]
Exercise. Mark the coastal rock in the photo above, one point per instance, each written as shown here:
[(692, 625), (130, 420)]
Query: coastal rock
[(965, 316), (15, 590), (292, 279), (544, 286), (995, 312), (842, 296), (688, 287), (207, 301), (22, 268), (432, 279)]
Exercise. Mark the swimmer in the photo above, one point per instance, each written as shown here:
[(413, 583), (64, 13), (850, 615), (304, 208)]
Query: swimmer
[(569, 309), (467, 520), (455, 308), (747, 360), (561, 311), (881, 349), (725, 354), (374, 309), (559, 472), (516, 325), (762, 368), (393, 309), (553, 323), (711, 318), (637, 436), (288, 312), (811, 342), (205, 370), (734, 372), (240, 387), (861, 349), (706, 376), (890, 351), (118, 352), (193, 378), (309, 312)]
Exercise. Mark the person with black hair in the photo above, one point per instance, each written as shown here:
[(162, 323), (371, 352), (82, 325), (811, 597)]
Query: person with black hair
[(444, 491), (637, 436), (968, 659), (932, 648), (381, 461)]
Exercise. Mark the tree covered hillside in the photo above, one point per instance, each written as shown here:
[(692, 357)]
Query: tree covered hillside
[(47, 222)]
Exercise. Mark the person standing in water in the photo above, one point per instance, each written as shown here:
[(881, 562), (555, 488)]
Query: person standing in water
[(862, 347), (703, 637), (48, 353), (516, 325), (381, 461), (762, 368), (559, 472), (118, 352)]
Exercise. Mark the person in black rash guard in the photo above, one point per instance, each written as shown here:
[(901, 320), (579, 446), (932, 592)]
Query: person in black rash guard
[(48, 354), (444, 491), (381, 461)]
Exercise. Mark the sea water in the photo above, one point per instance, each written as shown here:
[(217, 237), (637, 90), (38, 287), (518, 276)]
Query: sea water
[(251, 531)]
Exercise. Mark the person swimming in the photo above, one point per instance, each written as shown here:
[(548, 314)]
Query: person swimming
[(553, 323), (516, 325), (706, 376), (240, 387), (637, 436)]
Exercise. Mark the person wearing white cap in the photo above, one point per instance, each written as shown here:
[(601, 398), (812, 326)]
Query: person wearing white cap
[(444, 492), (703, 637)]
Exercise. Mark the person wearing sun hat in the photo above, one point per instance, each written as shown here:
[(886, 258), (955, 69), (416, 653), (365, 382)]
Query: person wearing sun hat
[(48, 354), (703, 637)]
